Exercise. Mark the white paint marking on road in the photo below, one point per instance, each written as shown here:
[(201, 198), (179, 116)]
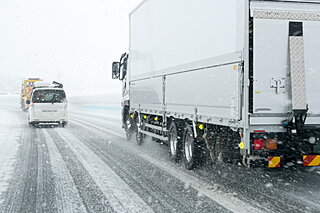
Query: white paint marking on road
[(68, 198), (119, 194), (10, 131)]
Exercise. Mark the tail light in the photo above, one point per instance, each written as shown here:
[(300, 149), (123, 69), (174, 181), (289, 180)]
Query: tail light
[(271, 144), (258, 144), (268, 144)]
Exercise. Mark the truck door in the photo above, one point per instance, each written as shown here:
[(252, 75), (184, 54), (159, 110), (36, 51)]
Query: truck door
[(273, 90)]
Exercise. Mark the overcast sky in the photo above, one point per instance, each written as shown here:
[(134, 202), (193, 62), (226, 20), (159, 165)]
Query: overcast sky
[(72, 41)]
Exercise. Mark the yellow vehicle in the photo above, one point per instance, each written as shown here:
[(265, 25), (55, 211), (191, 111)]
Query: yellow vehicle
[(26, 90)]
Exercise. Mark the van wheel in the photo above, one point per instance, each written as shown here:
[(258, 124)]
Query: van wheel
[(175, 142), (190, 149)]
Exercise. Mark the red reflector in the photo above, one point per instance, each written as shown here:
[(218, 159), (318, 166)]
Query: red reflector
[(259, 130), (258, 144)]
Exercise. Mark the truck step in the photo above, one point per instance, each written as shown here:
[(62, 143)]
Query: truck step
[(154, 135)]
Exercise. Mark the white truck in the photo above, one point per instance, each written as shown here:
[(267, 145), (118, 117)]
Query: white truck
[(238, 79)]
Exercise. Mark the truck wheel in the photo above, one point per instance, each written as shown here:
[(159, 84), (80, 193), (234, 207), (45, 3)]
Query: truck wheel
[(175, 142), (190, 149), (221, 152), (138, 135), (128, 128), (127, 122)]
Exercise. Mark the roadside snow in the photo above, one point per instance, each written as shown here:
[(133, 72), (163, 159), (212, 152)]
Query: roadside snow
[(10, 130)]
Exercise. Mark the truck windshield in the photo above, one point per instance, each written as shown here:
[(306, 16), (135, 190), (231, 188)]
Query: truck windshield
[(49, 96)]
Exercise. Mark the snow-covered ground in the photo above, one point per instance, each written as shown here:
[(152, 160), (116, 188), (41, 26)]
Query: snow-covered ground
[(10, 132), (90, 167)]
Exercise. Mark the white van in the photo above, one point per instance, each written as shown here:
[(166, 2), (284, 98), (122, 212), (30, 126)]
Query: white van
[(48, 106)]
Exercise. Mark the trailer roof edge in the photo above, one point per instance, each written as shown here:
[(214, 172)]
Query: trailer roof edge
[(137, 7), (297, 1)]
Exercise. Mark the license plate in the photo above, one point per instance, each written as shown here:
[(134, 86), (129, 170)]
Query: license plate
[(49, 110)]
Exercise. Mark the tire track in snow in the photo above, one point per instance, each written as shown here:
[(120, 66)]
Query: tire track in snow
[(121, 197), (250, 195), (163, 192), (46, 199), (67, 197), (32, 187), (92, 197)]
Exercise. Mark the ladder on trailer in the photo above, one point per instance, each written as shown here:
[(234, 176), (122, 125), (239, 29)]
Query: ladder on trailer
[(298, 113)]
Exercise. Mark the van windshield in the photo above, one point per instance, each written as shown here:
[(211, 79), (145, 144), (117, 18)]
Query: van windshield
[(49, 96)]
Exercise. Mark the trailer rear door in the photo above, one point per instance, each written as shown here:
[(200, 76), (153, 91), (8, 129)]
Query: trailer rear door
[(272, 88)]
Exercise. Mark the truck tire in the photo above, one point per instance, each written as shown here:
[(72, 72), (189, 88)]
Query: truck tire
[(190, 149), (128, 127), (222, 152), (63, 124), (175, 142), (139, 136)]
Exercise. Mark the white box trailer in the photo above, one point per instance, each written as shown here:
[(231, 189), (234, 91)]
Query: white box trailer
[(239, 78)]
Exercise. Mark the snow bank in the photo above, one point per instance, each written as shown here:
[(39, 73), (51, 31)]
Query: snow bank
[(10, 131)]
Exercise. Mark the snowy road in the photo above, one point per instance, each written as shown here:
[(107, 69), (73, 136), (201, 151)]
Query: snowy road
[(88, 166)]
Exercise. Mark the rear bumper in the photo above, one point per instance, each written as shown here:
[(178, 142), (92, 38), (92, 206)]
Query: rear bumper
[(44, 123), (49, 120), (285, 161), (305, 160), (292, 150), (60, 117)]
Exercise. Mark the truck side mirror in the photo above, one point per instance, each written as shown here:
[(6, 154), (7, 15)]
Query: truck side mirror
[(27, 101), (115, 70)]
